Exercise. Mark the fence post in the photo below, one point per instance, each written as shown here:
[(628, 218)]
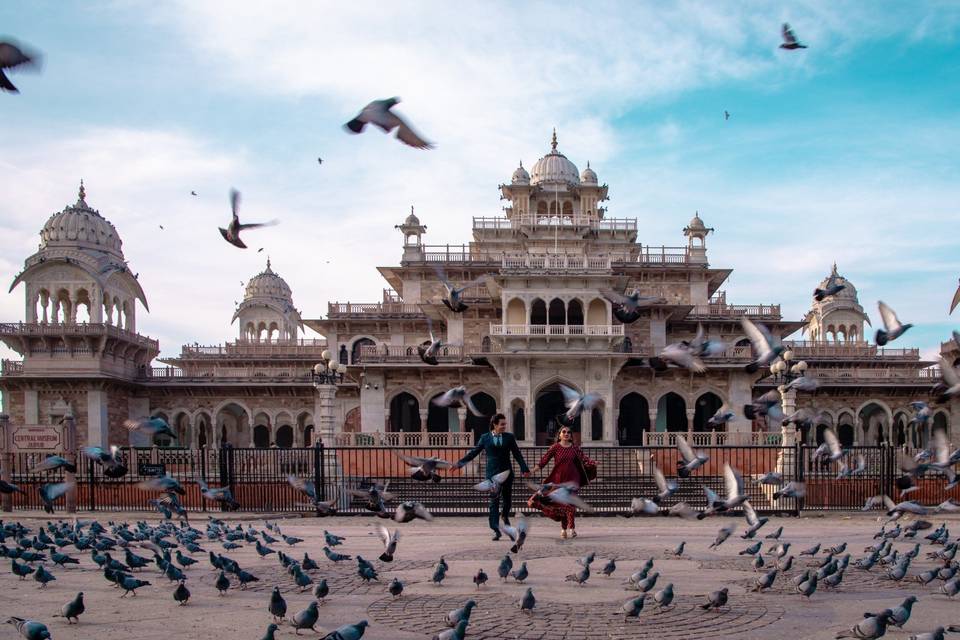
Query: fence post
[(6, 461), (202, 452), (798, 463), (70, 454), (319, 479), (91, 485)]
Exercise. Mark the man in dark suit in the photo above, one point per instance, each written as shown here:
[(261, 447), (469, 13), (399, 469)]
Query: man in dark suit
[(498, 445)]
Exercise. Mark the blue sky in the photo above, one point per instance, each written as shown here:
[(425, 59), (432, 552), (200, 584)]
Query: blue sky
[(844, 151)]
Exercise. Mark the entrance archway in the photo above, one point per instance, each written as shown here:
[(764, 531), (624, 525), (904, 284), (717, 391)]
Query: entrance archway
[(285, 437), (441, 419), (672, 413), (234, 422), (874, 423), (707, 405), (404, 413), (479, 425), (549, 414), (261, 436), (634, 419)]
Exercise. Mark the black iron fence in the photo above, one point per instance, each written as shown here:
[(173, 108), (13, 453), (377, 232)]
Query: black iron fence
[(258, 478)]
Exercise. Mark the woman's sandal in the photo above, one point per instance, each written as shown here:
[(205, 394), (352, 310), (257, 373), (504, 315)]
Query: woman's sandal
[(563, 534), (573, 533)]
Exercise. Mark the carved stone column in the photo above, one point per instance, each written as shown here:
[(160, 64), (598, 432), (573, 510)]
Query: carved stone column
[(70, 453), (325, 413)]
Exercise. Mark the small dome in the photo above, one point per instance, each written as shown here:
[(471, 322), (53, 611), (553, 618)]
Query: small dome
[(589, 176), (268, 284), (696, 224), (554, 167), (80, 226), (412, 220), (849, 292), (520, 176)]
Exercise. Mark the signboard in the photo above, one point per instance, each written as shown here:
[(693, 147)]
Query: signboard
[(152, 470), (37, 438)]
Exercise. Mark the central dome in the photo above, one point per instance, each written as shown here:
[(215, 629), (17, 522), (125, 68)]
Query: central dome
[(849, 291), (554, 167), (268, 284), (79, 226)]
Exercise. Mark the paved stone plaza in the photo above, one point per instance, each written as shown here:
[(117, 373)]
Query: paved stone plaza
[(564, 610)]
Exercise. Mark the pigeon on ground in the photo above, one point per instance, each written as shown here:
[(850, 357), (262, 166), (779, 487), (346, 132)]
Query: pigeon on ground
[(520, 574), (871, 627), (808, 586), (43, 576), (790, 41), (580, 577), (677, 551), (277, 606), (609, 568), (457, 633), (892, 327), (12, 56), (481, 578), (348, 632), (321, 590), (181, 594), (379, 114), (395, 588), (951, 587), (937, 634), (232, 233), (462, 613), (222, 584), (73, 609), (306, 619), (29, 629), (130, 585), (632, 607), (716, 600), (270, 633), (439, 573), (503, 570), (664, 597), (528, 601)]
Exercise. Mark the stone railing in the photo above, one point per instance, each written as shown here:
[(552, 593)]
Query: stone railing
[(930, 374), (715, 438), (405, 353), (551, 262), (469, 255), (222, 374), (341, 309), (537, 330), (724, 310), (403, 439), (244, 348), (73, 329), (546, 221), (810, 349), (11, 367)]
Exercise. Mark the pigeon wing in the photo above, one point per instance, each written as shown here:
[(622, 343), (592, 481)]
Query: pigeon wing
[(660, 480), (956, 300), (949, 374), (685, 451), (733, 482), (759, 339), (789, 36), (889, 316), (750, 514), (407, 136), (941, 447), (830, 437)]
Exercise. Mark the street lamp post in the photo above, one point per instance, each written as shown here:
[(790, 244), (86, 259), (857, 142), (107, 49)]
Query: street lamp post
[(329, 371)]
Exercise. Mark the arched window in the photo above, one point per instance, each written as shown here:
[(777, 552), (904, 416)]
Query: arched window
[(261, 436), (672, 413), (404, 413), (568, 208), (575, 312), (308, 436), (707, 405), (538, 312), (558, 313), (596, 424), (285, 437), (485, 344), (519, 423), (633, 420), (342, 356), (541, 208), (355, 356)]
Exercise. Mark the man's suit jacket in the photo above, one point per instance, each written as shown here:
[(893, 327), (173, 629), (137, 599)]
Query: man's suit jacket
[(498, 457)]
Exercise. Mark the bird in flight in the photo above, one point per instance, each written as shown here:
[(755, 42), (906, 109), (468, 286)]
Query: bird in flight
[(379, 113), (956, 300), (13, 56), (726, 114), (193, 193), (232, 233), (790, 39)]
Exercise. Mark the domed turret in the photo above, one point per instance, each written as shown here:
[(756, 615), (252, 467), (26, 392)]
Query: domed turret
[(520, 176), (589, 176), (837, 317), (79, 226), (267, 311), (554, 167)]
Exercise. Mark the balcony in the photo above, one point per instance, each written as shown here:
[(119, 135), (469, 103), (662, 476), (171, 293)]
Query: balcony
[(845, 350), (627, 225), (467, 255), (11, 368), (724, 310), (405, 354), (217, 375), (247, 349), (404, 439), (557, 330), (555, 263), (76, 330), (371, 309), (875, 377)]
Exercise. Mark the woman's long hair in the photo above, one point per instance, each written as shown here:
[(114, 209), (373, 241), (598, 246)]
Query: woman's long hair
[(557, 439)]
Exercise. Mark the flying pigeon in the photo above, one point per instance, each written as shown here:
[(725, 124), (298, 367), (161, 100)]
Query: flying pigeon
[(379, 113), (950, 387), (389, 541), (411, 510), (791, 490), (577, 403), (892, 327), (733, 483), (453, 299), (494, 484), (152, 426), (790, 39), (455, 397), (766, 348), (52, 463), (722, 535), (12, 56), (692, 460), (425, 469), (560, 494), (518, 534), (232, 233), (955, 301), (50, 492), (726, 114), (627, 308), (720, 418), (428, 354), (7, 488)]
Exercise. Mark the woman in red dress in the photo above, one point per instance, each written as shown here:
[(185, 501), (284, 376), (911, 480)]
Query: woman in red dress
[(569, 462)]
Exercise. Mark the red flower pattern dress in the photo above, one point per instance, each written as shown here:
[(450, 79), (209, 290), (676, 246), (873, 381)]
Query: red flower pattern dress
[(565, 469)]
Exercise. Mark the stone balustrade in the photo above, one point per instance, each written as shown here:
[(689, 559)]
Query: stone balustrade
[(403, 439)]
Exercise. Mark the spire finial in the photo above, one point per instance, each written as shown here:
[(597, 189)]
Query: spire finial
[(521, 164), (553, 140), (833, 271), (82, 198), (411, 209), (268, 263)]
